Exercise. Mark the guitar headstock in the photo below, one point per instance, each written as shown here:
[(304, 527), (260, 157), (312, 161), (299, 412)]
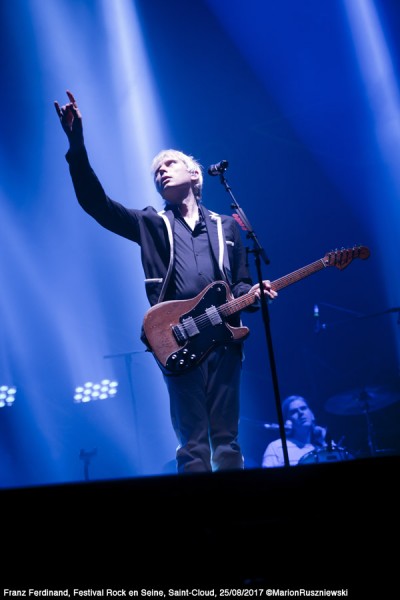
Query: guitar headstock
[(343, 257)]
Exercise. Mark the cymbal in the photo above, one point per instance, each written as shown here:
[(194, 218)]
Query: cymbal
[(362, 400)]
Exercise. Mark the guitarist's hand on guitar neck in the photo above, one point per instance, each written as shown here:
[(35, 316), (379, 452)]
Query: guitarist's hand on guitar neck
[(268, 290)]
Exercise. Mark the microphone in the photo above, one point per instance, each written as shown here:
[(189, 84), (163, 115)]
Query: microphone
[(275, 426), (271, 426), (219, 168), (317, 325)]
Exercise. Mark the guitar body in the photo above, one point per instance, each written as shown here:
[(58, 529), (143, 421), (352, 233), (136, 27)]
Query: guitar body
[(182, 332)]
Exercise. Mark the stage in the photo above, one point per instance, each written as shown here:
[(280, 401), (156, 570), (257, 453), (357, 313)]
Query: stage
[(323, 526)]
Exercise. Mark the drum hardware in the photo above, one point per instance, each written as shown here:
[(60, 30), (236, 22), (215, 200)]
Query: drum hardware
[(363, 401), (355, 316), (331, 452), (325, 455)]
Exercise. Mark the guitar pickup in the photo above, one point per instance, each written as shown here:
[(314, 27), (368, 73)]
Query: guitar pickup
[(190, 327), (213, 315), (185, 330)]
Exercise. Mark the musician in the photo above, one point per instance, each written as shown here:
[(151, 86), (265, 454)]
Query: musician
[(302, 434), (183, 249)]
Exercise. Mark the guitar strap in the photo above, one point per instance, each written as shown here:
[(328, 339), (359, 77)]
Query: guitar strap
[(163, 214), (221, 256)]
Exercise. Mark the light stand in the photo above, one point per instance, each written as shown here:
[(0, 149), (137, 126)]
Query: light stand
[(258, 252)]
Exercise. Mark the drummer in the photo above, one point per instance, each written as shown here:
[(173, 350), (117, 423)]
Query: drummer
[(303, 435)]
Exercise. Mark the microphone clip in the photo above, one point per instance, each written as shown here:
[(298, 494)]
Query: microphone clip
[(218, 168)]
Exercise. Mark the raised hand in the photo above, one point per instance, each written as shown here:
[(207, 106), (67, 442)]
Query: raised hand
[(71, 120)]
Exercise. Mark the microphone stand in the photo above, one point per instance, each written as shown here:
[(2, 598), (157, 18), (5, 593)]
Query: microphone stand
[(355, 315), (258, 252), (128, 362)]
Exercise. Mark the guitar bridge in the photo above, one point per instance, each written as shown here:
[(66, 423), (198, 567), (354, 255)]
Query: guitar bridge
[(180, 334)]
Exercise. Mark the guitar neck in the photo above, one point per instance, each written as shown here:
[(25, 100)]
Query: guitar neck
[(242, 302), (286, 280)]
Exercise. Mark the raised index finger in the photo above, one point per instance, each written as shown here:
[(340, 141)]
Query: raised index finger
[(58, 109), (71, 97)]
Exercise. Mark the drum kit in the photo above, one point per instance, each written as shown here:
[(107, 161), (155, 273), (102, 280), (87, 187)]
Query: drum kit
[(332, 453), (359, 401), (364, 401)]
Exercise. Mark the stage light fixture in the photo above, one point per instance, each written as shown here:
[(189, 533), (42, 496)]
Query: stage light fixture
[(7, 395), (96, 391)]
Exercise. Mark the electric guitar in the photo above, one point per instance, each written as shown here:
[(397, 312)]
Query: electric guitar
[(181, 333)]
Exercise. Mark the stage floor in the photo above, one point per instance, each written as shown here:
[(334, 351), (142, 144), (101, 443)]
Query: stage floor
[(324, 526)]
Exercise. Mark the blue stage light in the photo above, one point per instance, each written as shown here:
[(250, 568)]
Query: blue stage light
[(96, 391), (7, 395)]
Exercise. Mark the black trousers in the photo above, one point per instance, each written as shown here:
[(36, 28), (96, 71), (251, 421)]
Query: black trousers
[(204, 406)]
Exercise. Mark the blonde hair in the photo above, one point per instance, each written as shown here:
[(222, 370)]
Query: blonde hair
[(288, 401), (191, 163)]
